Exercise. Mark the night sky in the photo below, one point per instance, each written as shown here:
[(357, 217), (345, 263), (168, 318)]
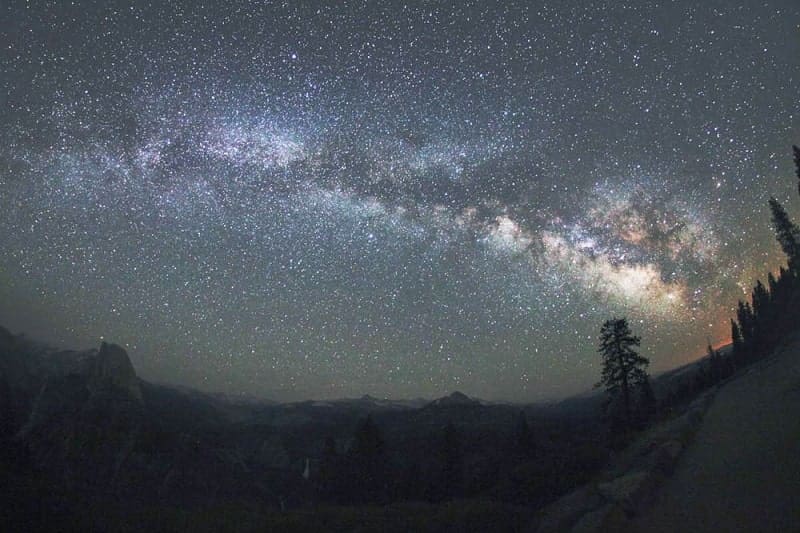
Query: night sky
[(306, 200)]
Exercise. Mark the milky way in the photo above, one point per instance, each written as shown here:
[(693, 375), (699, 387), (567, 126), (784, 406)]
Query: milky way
[(296, 200)]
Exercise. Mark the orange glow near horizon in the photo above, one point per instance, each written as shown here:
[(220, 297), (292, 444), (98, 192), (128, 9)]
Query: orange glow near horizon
[(722, 343)]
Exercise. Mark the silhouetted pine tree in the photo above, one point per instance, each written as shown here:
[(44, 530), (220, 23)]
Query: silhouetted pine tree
[(796, 151), (784, 286), (772, 283), (762, 311), (736, 340), (775, 311), (786, 307), (744, 314), (783, 310), (787, 233), (717, 365), (760, 298), (623, 368)]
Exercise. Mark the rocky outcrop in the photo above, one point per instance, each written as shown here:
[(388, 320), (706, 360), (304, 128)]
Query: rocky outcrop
[(25, 368), (60, 398), (73, 412), (72, 379), (111, 371), (85, 422)]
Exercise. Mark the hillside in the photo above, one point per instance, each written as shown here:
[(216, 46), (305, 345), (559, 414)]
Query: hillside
[(742, 470)]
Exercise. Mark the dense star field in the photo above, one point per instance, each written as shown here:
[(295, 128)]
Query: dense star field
[(307, 199)]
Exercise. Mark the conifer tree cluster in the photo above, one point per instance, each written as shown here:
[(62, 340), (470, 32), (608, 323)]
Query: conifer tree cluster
[(763, 321), (773, 310)]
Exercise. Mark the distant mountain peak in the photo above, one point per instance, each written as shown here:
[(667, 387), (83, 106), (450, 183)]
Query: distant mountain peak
[(112, 367), (453, 399)]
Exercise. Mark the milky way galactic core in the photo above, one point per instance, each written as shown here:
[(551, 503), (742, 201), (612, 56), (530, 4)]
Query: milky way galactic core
[(296, 200)]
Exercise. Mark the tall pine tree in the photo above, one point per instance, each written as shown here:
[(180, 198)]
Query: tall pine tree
[(623, 368), (787, 233), (796, 151), (747, 326), (760, 302), (736, 338), (772, 282)]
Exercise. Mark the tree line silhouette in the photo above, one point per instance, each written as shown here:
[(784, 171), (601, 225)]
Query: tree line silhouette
[(760, 326), (773, 311), (456, 453), (763, 322)]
